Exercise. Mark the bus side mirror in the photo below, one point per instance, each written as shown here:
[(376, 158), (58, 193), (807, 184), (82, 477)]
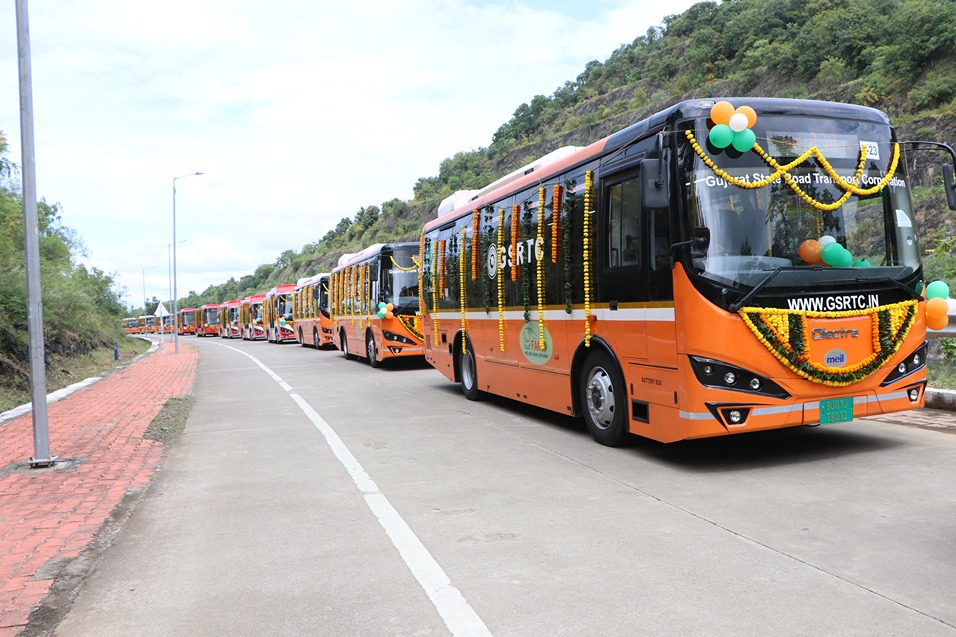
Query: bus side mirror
[(700, 243), (950, 184), (654, 192)]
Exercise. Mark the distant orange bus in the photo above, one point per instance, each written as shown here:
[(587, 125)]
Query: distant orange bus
[(277, 314), (186, 321), (374, 303), (310, 311), (683, 279), (250, 318), (207, 320), (131, 324), (229, 326)]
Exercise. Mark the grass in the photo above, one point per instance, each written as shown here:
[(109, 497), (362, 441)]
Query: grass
[(941, 375), (63, 371), (170, 421)]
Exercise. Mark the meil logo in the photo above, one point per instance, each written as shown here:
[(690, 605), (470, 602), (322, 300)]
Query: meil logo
[(835, 358)]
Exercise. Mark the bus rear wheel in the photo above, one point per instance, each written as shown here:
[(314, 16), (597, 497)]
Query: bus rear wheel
[(604, 400), (468, 372), (345, 346)]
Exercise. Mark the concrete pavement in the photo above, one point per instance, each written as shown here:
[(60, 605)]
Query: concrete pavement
[(48, 516)]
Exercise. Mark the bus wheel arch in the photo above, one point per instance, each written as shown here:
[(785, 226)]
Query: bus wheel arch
[(600, 393)]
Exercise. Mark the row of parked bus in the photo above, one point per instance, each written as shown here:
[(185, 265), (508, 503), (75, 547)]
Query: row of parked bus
[(719, 267), (148, 325)]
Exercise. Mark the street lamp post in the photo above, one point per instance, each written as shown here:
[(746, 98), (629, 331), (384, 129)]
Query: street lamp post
[(175, 292)]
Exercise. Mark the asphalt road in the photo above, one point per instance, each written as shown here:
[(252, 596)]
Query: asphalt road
[(310, 495)]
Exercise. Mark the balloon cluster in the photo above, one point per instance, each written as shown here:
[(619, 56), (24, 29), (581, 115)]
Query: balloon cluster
[(385, 310), (732, 126), (827, 251), (938, 305)]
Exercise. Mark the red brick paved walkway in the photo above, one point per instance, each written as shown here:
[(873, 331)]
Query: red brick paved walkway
[(52, 514)]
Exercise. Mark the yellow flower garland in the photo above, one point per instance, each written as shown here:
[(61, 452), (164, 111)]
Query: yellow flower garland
[(515, 214), (462, 290), (475, 237), (555, 223), (539, 267), (421, 275), (794, 356), (435, 246), (849, 187), (501, 282), (588, 177)]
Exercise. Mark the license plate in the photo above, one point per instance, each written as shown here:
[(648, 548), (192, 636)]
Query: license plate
[(836, 410)]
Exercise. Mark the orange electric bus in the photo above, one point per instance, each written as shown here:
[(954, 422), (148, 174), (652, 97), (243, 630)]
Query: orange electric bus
[(722, 266), (229, 319), (310, 311), (206, 318), (374, 303), (277, 314), (250, 318), (186, 321), (131, 324)]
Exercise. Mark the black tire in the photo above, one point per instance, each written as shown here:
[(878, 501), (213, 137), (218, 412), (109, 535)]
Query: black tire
[(604, 399), (468, 372), (315, 338), (345, 346), (370, 350)]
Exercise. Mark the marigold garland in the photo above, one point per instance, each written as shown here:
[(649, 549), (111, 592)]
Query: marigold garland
[(785, 334), (462, 291), (539, 267), (421, 273), (515, 209), (442, 245), (434, 282), (475, 238), (588, 176), (501, 282), (555, 223), (849, 187)]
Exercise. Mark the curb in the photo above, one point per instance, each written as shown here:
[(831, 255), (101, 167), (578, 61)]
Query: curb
[(941, 399)]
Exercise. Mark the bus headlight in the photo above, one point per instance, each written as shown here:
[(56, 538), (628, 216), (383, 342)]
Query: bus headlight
[(912, 363), (720, 375)]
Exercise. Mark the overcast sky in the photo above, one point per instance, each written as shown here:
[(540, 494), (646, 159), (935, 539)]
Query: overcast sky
[(298, 113)]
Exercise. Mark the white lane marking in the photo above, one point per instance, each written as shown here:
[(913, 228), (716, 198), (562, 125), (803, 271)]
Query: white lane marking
[(458, 615)]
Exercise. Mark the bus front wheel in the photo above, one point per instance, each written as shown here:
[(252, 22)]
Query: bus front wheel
[(604, 400), (370, 350), (468, 372)]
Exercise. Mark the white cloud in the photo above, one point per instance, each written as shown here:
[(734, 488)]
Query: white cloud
[(298, 114)]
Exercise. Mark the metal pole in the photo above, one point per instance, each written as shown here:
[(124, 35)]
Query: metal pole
[(175, 292), (41, 434)]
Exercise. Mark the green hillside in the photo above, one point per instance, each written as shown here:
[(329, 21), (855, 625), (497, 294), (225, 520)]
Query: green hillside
[(895, 55)]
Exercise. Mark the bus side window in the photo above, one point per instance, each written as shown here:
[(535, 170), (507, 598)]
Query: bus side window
[(624, 235)]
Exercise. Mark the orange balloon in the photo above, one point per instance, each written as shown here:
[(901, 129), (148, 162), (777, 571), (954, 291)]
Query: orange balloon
[(937, 323), (810, 251), (721, 111), (750, 113), (936, 307)]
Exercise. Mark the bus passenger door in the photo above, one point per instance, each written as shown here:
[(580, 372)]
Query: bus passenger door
[(623, 266)]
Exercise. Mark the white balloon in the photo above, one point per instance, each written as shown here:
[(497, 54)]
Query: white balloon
[(738, 122), (825, 239), (951, 305)]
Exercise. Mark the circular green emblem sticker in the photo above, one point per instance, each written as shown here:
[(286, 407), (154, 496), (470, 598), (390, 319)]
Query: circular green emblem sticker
[(532, 347)]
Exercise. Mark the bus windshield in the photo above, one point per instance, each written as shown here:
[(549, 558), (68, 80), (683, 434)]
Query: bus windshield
[(757, 231), (401, 284), (212, 316)]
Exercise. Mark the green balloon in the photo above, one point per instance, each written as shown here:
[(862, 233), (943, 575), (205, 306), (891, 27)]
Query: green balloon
[(861, 263), (844, 260), (721, 136), (744, 140), (937, 289), (831, 253)]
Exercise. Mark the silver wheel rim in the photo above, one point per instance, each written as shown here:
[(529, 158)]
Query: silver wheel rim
[(467, 370), (599, 395), (345, 345), (370, 348)]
